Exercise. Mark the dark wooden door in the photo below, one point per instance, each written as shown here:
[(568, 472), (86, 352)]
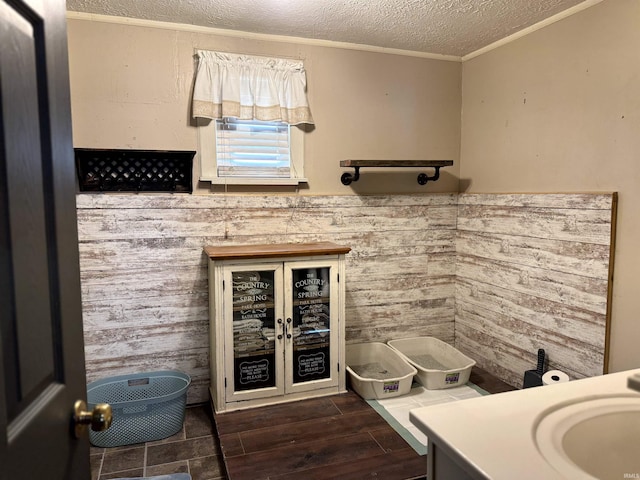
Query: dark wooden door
[(41, 346)]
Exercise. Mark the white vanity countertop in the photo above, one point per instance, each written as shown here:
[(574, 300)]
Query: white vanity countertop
[(494, 435)]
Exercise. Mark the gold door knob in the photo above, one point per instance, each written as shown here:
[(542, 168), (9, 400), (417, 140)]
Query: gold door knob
[(99, 419)]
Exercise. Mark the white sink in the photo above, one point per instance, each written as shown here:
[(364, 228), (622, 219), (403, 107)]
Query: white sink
[(594, 438)]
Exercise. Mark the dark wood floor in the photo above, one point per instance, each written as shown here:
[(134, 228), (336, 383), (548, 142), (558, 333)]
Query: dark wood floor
[(325, 438)]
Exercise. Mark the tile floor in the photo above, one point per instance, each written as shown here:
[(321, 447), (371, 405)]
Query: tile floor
[(196, 448), (339, 437), (193, 450)]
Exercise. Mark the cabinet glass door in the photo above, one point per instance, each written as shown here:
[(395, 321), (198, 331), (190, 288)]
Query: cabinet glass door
[(256, 323), (311, 333)]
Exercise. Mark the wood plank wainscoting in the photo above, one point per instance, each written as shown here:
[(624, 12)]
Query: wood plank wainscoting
[(144, 273), (532, 272)]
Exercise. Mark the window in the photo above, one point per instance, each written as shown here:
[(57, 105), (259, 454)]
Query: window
[(236, 151), (248, 110)]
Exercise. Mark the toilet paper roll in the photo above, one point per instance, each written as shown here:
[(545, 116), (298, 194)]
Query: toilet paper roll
[(554, 376)]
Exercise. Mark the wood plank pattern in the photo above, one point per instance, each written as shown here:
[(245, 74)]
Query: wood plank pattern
[(510, 269), (532, 271), (401, 464), (310, 430), (336, 437), (144, 273), (396, 163), (332, 437), (297, 458)]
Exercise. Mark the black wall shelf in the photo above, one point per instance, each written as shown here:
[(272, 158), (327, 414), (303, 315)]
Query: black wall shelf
[(347, 178)]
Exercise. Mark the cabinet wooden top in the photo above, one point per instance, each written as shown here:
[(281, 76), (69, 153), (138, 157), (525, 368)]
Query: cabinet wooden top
[(229, 252)]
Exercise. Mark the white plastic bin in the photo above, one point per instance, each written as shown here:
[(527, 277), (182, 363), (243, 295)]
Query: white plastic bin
[(377, 371), (439, 364)]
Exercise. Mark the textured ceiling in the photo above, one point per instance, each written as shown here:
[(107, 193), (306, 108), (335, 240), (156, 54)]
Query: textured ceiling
[(446, 27)]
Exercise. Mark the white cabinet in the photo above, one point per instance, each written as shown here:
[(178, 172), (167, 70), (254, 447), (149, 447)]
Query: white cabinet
[(276, 323)]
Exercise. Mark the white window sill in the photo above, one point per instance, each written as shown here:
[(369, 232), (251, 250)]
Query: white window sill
[(254, 181)]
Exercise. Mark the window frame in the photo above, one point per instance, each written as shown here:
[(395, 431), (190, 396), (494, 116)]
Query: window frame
[(209, 164)]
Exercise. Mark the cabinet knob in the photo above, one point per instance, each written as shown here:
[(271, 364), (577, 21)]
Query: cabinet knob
[(279, 337), (288, 322), (279, 320)]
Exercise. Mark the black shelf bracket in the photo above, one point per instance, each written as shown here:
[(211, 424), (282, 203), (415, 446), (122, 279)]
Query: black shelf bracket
[(348, 178), (423, 178)]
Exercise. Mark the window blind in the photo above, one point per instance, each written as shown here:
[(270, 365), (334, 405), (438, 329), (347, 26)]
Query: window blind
[(251, 148)]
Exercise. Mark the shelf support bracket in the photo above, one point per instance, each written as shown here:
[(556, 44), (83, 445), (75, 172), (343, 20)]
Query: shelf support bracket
[(347, 178), (423, 178)]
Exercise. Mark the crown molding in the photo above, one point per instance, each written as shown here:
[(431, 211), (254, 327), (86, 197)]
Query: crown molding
[(329, 43), (255, 36), (526, 31)]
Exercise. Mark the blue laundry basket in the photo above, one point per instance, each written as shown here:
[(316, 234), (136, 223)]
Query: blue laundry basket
[(146, 406)]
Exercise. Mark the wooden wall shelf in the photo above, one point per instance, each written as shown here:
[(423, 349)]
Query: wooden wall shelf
[(347, 178)]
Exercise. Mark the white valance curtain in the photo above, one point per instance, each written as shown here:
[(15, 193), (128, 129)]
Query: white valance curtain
[(250, 88)]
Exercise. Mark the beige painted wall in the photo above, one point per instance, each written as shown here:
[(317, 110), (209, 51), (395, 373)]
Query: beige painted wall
[(555, 111), (131, 87), (559, 111)]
